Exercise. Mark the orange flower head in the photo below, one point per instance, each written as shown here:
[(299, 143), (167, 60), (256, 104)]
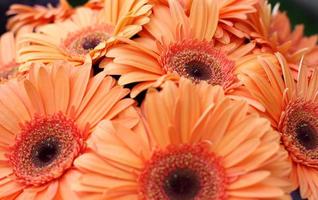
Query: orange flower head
[(176, 45), (292, 108), (271, 29), (22, 16), (195, 143), (79, 44), (230, 13), (186, 171), (299, 132), (45, 121), (199, 61), (46, 144), (88, 32)]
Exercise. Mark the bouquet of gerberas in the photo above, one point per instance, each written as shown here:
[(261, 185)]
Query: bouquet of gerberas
[(157, 100)]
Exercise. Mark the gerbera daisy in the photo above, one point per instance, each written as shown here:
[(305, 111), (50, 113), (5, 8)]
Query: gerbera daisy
[(230, 12), (293, 110), (34, 16), (273, 32), (45, 120), (86, 32), (198, 144), (174, 46)]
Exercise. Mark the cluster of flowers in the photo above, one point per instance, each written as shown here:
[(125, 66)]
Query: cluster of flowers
[(157, 100)]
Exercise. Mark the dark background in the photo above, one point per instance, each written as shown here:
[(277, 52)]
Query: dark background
[(299, 11)]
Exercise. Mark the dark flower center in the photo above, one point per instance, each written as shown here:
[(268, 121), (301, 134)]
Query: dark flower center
[(307, 135), (182, 184), (90, 43), (45, 152), (198, 70)]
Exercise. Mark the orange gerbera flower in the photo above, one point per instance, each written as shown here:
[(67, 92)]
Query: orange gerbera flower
[(293, 110), (35, 16), (199, 144), (45, 120), (177, 45), (230, 12), (272, 31), (86, 32)]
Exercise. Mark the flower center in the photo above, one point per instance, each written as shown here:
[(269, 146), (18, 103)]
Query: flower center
[(83, 41), (307, 135), (91, 41), (199, 61), (182, 184), (198, 70), (184, 172), (45, 149), (299, 132)]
